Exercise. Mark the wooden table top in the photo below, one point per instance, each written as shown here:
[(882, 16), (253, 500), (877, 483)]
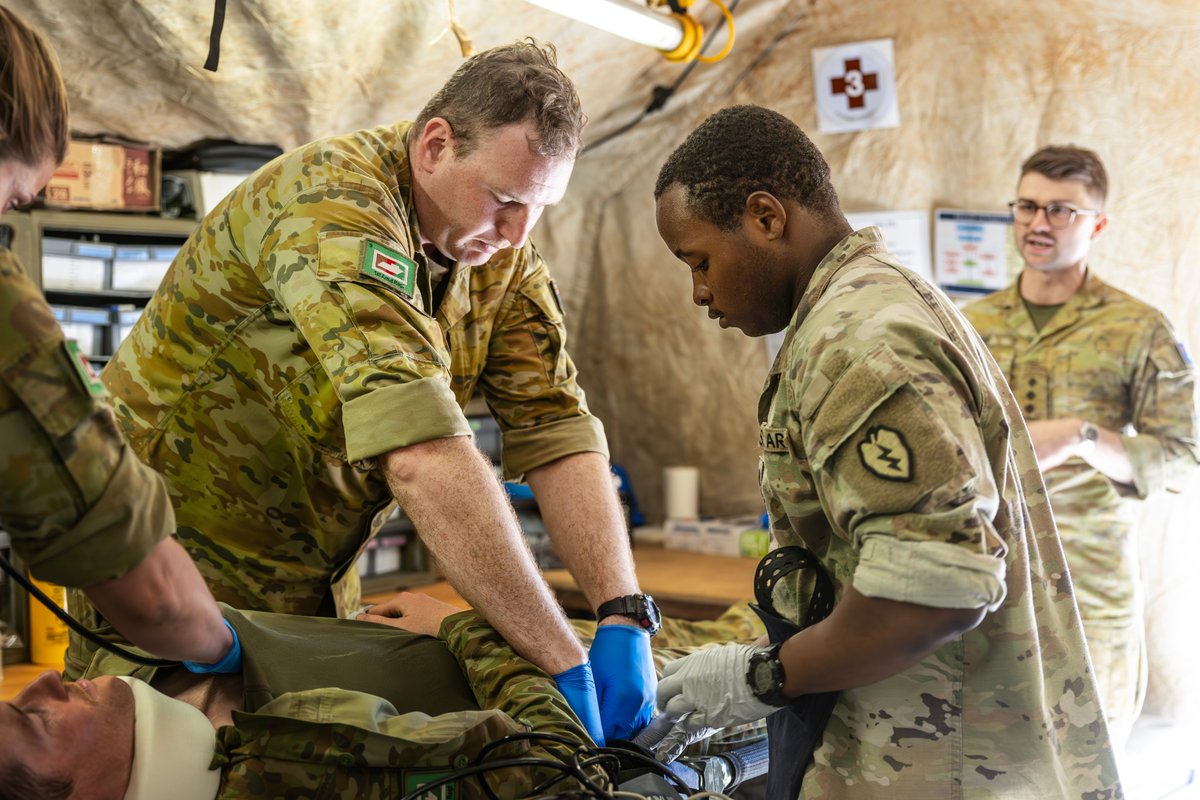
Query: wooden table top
[(679, 576)]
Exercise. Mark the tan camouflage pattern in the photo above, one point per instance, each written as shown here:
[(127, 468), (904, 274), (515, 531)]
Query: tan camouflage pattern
[(892, 448), (343, 744), (1111, 359), (268, 371), (78, 505)]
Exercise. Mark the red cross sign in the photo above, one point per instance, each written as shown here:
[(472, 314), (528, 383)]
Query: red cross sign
[(854, 83)]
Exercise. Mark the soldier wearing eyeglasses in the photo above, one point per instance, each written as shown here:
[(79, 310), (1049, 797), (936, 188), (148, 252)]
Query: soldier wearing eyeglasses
[(1106, 390)]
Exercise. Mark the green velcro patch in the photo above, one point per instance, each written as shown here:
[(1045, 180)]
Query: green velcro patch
[(885, 453), (91, 381), (415, 779), (386, 265)]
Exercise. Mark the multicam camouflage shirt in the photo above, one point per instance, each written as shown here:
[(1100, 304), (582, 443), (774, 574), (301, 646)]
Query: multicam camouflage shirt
[(69, 485), (1115, 361), (892, 449), (378, 713), (295, 338)]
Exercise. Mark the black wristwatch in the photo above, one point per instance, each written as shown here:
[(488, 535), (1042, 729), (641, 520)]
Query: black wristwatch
[(640, 607), (765, 676)]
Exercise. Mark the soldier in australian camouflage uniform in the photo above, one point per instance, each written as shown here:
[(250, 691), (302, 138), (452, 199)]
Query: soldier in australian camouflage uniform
[(893, 451), (305, 362), (1107, 393), (77, 504)]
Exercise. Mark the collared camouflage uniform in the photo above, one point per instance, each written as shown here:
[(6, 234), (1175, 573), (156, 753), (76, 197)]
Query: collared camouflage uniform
[(341, 709), (894, 451), (1115, 361), (271, 369), (79, 506)]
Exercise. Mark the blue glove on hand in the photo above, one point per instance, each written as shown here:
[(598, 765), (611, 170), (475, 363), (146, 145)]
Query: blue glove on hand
[(579, 687), (625, 679), (231, 663)]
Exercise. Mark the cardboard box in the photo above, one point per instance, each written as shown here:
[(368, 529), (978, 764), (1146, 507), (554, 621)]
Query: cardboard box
[(106, 176)]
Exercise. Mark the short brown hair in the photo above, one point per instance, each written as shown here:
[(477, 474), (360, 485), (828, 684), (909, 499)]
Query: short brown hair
[(33, 99), (1070, 163), (19, 782), (519, 82)]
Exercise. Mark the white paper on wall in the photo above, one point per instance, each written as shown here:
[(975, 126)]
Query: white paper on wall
[(974, 251)]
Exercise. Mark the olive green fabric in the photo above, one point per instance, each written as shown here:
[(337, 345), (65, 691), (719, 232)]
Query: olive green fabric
[(1115, 361), (1040, 314), (892, 449), (79, 506)]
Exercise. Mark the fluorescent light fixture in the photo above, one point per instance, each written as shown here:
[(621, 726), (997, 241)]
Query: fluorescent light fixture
[(624, 18)]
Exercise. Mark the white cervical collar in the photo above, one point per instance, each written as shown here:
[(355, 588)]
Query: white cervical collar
[(172, 748)]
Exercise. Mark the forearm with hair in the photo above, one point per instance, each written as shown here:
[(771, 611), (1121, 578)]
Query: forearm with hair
[(583, 516), (450, 493)]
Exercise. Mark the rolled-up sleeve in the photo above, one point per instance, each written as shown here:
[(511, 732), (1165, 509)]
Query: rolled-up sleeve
[(79, 506), (904, 472)]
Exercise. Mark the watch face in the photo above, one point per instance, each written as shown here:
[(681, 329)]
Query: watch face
[(762, 676)]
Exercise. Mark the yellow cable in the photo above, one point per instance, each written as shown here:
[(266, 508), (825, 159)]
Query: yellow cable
[(689, 45), (728, 43)]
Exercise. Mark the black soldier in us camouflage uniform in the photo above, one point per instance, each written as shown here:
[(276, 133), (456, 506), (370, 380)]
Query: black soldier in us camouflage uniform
[(1106, 388), (304, 365), (893, 453)]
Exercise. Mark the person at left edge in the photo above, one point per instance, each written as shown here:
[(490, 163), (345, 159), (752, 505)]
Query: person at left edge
[(305, 362), (80, 509)]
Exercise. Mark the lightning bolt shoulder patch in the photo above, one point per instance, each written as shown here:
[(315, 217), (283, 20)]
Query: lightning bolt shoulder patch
[(885, 453)]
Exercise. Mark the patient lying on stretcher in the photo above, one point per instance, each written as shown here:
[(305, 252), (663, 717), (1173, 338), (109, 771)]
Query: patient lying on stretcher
[(323, 707)]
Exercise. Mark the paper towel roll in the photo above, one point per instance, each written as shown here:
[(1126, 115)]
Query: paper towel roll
[(681, 492)]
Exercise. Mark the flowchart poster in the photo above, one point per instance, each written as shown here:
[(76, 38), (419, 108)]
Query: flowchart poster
[(974, 250), (906, 234), (855, 86)]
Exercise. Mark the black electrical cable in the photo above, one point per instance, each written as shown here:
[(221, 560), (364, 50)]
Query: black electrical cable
[(572, 744), (658, 767), (659, 96), (214, 37), (479, 769), (76, 626)]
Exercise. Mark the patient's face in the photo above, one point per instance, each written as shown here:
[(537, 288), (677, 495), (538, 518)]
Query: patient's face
[(82, 731)]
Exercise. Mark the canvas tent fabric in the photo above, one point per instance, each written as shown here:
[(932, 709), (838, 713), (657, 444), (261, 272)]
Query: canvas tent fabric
[(980, 86)]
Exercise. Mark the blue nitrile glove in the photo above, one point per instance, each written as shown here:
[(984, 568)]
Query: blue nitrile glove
[(231, 663), (579, 687), (625, 679)]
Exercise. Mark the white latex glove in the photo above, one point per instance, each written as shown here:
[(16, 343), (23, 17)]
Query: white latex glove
[(678, 739), (710, 687)]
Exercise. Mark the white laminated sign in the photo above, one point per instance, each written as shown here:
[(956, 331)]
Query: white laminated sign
[(855, 85)]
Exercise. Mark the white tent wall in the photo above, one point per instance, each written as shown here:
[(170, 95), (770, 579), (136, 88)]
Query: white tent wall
[(980, 85)]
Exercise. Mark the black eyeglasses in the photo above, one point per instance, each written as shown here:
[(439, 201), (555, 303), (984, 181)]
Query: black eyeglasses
[(1057, 214)]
